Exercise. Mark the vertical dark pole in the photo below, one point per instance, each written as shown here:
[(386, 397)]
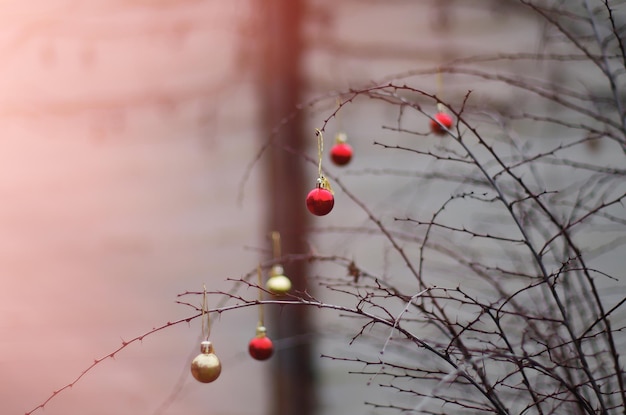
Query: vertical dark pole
[(280, 86)]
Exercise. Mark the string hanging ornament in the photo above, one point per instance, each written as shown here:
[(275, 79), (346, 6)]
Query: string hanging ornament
[(320, 201), (278, 283), (261, 346), (441, 121), (206, 367)]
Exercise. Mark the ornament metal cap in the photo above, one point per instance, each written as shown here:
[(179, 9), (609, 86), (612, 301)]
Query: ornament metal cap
[(277, 270), (261, 331), (341, 138), (206, 347)]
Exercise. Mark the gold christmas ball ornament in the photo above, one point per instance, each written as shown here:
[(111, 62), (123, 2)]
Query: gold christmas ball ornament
[(206, 367), (277, 283)]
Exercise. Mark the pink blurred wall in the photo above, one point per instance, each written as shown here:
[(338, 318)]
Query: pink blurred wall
[(115, 198)]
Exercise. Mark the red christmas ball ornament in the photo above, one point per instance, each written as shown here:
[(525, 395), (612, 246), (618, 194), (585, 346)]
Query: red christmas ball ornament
[(261, 347), (320, 201), (341, 152), (444, 119)]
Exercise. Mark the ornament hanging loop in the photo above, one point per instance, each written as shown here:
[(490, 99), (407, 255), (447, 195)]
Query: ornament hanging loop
[(321, 182), (260, 282), (339, 120), (276, 244), (206, 320), (440, 106), (320, 151)]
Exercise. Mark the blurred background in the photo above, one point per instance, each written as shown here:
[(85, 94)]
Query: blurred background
[(130, 134)]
